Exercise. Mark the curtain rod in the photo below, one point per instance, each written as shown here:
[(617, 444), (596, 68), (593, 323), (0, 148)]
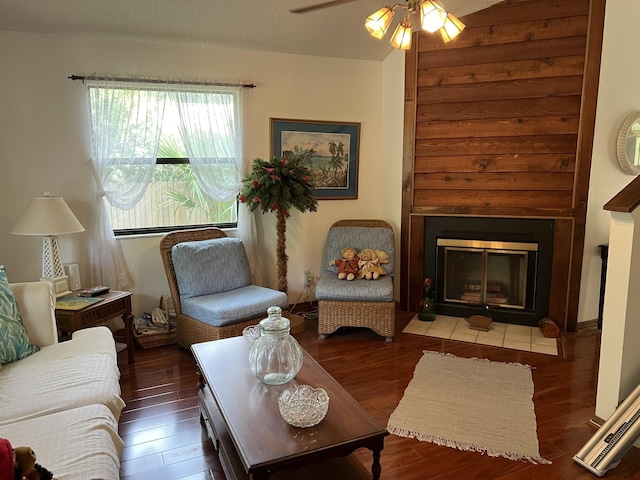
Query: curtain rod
[(170, 82)]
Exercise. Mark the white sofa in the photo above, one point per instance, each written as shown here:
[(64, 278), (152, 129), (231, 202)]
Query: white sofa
[(64, 400)]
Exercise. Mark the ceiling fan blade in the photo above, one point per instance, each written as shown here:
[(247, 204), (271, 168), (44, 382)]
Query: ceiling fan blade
[(319, 6)]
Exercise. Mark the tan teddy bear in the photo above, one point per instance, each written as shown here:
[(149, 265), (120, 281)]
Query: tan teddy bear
[(369, 266)]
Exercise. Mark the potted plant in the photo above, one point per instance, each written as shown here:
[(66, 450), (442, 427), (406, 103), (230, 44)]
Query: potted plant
[(278, 186)]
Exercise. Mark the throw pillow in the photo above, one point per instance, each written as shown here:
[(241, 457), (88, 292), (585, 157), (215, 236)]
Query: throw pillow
[(14, 343)]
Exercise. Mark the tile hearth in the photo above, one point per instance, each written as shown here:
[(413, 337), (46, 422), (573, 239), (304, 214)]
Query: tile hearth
[(506, 335)]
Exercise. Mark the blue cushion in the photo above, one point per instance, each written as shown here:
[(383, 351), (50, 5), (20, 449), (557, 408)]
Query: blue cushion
[(235, 306), (14, 342), (210, 266), (379, 238), (329, 287)]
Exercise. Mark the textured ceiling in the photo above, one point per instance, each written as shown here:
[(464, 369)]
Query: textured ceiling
[(245, 24)]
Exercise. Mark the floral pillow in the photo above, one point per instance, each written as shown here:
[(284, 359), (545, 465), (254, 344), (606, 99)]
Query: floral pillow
[(14, 343)]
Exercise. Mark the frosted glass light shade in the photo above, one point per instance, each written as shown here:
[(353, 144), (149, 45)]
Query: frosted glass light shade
[(402, 36), (377, 23), (432, 16), (451, 28)]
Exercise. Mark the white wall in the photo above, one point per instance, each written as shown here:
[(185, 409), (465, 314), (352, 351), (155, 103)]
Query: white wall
[(44, 143), (393, 126), (618, 96)]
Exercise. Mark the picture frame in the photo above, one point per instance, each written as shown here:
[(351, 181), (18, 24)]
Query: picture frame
[(329, 149)]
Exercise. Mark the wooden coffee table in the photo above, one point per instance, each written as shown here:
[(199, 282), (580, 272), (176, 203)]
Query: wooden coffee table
[(253, 440)]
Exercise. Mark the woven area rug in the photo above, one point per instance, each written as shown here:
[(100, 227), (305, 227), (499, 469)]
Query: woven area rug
[(470, 404)]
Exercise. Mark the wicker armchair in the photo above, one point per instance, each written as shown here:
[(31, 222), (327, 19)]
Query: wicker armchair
[(360, 302), (210, 284)]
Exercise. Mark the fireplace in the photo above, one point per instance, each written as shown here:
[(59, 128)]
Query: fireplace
[(495, 266)]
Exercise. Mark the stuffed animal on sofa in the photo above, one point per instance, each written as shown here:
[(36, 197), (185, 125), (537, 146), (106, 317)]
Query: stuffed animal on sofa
[(348, 264), (369, 265), (25, 466)]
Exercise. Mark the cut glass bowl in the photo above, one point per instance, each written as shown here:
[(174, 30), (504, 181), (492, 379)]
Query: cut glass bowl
[(303, 406), (251, 333)]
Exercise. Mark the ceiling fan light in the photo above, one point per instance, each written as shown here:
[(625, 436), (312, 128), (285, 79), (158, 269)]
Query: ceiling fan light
[(402, 36), (451, 28), (432, 16), (377, 23)]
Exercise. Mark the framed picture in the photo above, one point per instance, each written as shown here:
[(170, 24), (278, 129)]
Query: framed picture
[(329, 149)]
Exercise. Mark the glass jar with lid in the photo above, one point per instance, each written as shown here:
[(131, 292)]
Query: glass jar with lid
[(275, 357)]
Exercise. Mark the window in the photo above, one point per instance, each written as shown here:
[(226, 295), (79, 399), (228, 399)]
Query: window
[(177, 195), (173, 199)]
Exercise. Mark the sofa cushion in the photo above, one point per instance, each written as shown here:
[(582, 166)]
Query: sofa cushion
[(14, 342), (210, 266), (379, 238), (81, 443), (329, 287), (226, 308), (62, 376)]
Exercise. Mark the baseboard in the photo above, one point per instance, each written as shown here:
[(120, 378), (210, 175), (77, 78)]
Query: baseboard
[(303, 307), (596, 421), (587, 324)]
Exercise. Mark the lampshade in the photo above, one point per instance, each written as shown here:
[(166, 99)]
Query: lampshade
[(451, 28), (377, 23), (432, 16), (47, 216), (402, 36)]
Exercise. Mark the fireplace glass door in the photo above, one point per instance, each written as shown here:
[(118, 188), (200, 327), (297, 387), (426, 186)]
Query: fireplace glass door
[(486, 272)]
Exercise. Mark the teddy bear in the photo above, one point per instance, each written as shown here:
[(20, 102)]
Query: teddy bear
[(348, 264), (369, 266), (25, 466)]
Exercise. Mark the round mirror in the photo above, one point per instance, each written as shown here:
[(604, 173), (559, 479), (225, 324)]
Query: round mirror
[(629, 145)]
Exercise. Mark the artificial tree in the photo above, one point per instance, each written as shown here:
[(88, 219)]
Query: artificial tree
[(279, 185)]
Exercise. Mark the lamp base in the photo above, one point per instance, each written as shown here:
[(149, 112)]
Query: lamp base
[(60, 285)]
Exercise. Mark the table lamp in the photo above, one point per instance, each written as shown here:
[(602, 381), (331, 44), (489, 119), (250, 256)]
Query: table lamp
[(49, 216)]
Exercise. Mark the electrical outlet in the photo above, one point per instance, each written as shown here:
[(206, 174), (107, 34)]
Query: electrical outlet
[(308, 277)]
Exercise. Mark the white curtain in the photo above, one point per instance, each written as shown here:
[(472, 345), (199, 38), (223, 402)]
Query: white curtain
[(125, 131), (211, 129)]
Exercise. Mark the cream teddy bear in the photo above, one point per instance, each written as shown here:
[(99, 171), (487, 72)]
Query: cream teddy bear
[(369, 265)]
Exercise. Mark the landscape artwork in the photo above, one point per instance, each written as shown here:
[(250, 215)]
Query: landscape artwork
[(329, 149)]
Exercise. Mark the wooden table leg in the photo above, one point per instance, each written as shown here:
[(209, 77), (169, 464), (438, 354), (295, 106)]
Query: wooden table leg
[(376, 468), (128, 335)]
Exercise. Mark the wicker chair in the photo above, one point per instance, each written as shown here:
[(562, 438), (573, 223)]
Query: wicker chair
[(360, 302), (224, 307)]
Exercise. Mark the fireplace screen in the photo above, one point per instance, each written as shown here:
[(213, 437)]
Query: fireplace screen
[(487, 272)]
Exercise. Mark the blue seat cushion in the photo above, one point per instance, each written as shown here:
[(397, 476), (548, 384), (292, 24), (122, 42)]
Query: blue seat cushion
[(210, 266), (329, 287), (378, 238), (233, 306)]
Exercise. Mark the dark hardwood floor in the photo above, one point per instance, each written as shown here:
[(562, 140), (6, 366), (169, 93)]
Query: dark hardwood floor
[(163, 438)]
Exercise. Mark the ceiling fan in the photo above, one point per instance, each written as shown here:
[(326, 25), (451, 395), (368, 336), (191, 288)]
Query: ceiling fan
[(320, 6), (432, 18)]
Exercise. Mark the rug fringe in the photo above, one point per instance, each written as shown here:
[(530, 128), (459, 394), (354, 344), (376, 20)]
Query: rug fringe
[(476, 359), (466, 446)]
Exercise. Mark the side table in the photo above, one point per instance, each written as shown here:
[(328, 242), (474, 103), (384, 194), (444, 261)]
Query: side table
[(113, 304)]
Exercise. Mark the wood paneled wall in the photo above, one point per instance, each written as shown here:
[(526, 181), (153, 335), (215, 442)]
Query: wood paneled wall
[(499, 122)]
